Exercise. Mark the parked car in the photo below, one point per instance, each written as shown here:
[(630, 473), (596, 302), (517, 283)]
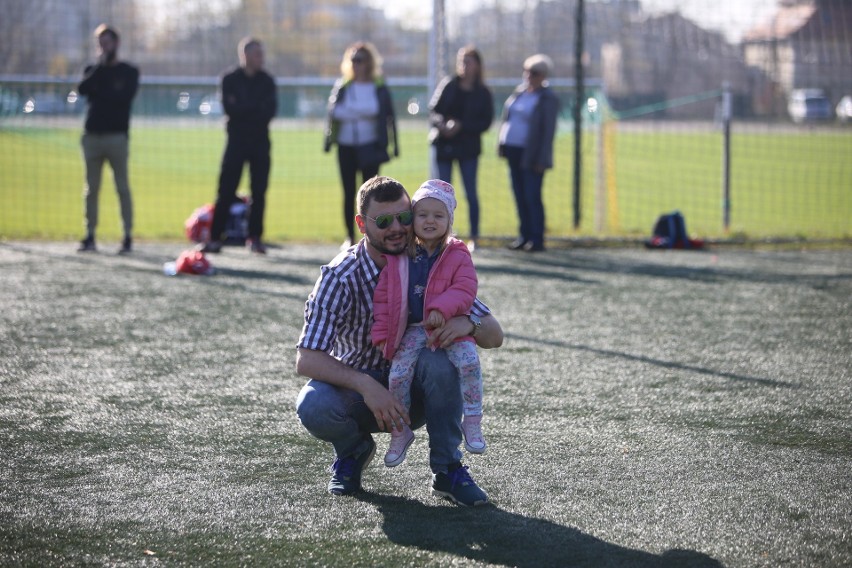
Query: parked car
[(189, 101), (415, 106), (50, 103), (844, 109), (211, 106), (808, 104), (183, 101)]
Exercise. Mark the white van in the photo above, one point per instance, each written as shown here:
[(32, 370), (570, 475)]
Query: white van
[(808, 104)]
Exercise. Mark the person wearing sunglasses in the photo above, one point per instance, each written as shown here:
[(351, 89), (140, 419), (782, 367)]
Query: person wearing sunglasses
[(346, 398), (526, 137), (361, 121)]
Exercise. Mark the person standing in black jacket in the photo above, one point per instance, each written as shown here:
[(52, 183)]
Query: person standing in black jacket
[(461, 109), (109, 87), (250, 100)]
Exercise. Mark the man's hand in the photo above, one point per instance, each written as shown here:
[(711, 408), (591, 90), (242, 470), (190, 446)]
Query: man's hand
[(489, 336), (389, 413), (442, 337), (321, 366), (107, 57)]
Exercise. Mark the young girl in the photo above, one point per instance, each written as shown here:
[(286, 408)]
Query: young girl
[(418, 293)]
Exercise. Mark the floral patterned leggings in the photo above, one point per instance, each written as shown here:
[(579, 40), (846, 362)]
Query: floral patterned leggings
[(462, 355)]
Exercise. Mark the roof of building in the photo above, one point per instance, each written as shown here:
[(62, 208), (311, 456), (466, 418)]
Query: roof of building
[(786, 22), (816, 19)]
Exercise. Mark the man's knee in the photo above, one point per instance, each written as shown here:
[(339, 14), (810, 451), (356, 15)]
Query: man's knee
[(312, 407)]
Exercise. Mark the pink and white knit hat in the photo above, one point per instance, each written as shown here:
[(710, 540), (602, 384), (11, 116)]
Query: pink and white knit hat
[(437, 189)]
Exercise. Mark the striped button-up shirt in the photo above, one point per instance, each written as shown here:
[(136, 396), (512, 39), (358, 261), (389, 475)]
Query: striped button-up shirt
[(339, 311)]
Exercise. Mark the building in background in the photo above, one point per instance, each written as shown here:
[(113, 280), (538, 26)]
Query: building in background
[(653, 61), (642, 59), (806, 44)]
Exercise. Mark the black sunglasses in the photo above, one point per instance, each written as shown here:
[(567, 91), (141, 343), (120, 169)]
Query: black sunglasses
[(386, 220), (357, 59)]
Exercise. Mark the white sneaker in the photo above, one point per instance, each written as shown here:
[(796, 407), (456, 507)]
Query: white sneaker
[(474, 441), (400, 441)]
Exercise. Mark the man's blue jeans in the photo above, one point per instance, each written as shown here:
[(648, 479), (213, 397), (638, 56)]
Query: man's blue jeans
[(340, 416)]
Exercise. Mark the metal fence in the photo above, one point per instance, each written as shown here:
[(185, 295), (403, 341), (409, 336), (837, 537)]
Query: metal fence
[(651, 138)]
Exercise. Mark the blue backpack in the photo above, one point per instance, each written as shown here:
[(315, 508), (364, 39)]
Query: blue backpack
[(670, 232)]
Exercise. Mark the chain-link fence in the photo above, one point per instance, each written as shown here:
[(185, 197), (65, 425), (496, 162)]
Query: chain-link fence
[(654, 135)]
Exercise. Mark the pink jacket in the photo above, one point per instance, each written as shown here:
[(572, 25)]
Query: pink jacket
[(450, 289)]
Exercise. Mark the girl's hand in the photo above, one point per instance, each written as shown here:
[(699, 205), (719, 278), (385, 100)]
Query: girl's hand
[(435, 320)]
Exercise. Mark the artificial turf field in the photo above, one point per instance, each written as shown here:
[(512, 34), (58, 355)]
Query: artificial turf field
[(647, 408)]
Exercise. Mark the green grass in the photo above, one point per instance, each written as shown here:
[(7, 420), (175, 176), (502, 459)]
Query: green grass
[(790, 183), (782, 184), (648, 408)]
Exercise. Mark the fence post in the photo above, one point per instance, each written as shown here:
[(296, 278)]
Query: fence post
[(578, 109), (600, 177), (437, 56), (726, 155)]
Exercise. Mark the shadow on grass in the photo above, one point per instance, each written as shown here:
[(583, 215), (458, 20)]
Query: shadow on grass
[(143, 262), (531, 272), (655, 362), (494, 536), (654, 266)]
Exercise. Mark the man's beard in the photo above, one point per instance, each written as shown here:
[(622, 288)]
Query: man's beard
[(379, 244)]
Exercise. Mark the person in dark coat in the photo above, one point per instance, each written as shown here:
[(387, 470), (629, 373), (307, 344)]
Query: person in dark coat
[(460, 111), (250, 100), (109, 86)]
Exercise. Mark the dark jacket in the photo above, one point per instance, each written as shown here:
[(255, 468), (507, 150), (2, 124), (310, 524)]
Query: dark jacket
[(476, 118), (250, 103), (110, 90), (538, 150), (386, 119)]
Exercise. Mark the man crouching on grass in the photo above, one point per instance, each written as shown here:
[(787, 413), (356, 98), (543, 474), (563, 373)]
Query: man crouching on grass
[(347, 397)]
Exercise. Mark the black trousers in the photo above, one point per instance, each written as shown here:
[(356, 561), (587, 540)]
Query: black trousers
[(238, 151), (347, 160)]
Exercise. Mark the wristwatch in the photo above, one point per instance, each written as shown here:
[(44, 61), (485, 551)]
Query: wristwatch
[(477, 323)]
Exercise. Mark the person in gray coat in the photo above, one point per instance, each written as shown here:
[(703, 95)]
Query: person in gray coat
[(526, 141)]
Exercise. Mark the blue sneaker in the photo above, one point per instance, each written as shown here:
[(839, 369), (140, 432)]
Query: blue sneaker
[(346, 472), (459, 487)]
